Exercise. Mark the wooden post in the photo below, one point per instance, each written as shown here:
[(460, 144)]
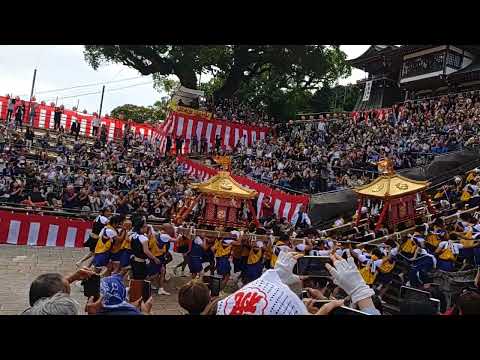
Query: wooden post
[(359, 210), (386, 206)]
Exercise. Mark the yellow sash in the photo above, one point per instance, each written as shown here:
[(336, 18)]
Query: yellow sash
[(367, 275), (433, 240), (222, 250), (447, 255), (254, 256), (408, 246), (153, 246), (470, 177), (438, 195), (465, 196), (386, 266), (116, 246), (102, 246), (468, 242), (274, 256), (127, 242)]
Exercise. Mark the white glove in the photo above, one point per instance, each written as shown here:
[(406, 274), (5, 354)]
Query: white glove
[(284, 268), (346, 275)]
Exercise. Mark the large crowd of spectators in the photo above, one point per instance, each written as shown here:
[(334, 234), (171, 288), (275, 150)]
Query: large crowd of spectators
[(132, 178), (54, 170), (341, 152)]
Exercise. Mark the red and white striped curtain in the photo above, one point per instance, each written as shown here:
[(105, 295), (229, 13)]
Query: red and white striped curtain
[(186, 126), (42, 230), (285, 205), (44, 120)]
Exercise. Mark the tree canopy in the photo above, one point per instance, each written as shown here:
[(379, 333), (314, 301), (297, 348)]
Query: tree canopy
[(141, 114), (292, 73)]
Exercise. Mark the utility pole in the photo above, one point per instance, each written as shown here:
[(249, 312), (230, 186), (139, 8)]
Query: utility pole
[(31, 95), (335, 89), (101, 103), (33, 83), (78, 103)]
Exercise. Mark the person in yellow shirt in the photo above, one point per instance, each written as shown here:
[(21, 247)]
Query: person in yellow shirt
[(408, 247), (102, 250), (254, 265), (447, 252), (159, 245), (283, 244), (116, 250), (223, 250), (126, 248), (435, 235)]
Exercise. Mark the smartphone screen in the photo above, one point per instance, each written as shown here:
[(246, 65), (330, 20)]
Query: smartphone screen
[(435, 304), (135, 290), (411, 294), (147, 290), (91, 286), (319, 303), (304, 294), (312, 266), (207, 280), (345, 310), (215, 285)]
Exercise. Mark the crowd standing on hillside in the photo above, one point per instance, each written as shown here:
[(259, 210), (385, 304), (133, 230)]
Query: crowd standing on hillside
[(137, 183)]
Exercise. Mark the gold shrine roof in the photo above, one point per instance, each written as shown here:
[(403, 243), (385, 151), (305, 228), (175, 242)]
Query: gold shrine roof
[(391, 185), (223, 185)]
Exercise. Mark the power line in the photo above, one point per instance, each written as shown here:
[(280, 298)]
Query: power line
[(129, 86), (99, 92), (86, 85)]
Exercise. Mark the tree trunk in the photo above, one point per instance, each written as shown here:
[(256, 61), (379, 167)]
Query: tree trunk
[(230, 86), (241, 60), (187, 77)]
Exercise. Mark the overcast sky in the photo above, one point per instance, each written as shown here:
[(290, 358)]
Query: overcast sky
[(63, 66)]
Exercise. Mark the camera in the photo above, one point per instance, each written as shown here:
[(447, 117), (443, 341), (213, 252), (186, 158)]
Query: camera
[(213, 282)]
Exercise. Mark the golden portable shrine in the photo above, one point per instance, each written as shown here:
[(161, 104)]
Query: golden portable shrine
[(221, 200), (397, 194)]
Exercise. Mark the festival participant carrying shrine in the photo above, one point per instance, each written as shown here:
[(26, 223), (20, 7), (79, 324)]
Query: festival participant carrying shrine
[(397, 196)]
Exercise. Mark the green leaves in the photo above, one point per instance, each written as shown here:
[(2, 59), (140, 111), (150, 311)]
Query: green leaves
[(154, 113), (280, 79)]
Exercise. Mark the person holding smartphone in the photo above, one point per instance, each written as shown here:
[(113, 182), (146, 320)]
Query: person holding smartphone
[(113, 300)]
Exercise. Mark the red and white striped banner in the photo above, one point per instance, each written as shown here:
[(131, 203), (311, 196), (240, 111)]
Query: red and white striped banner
[(187, 126), (44, 120), (42, 230), (285, 205)]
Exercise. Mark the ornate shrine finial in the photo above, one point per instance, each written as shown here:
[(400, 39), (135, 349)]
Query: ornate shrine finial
[(385, 166), (224, 161)]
